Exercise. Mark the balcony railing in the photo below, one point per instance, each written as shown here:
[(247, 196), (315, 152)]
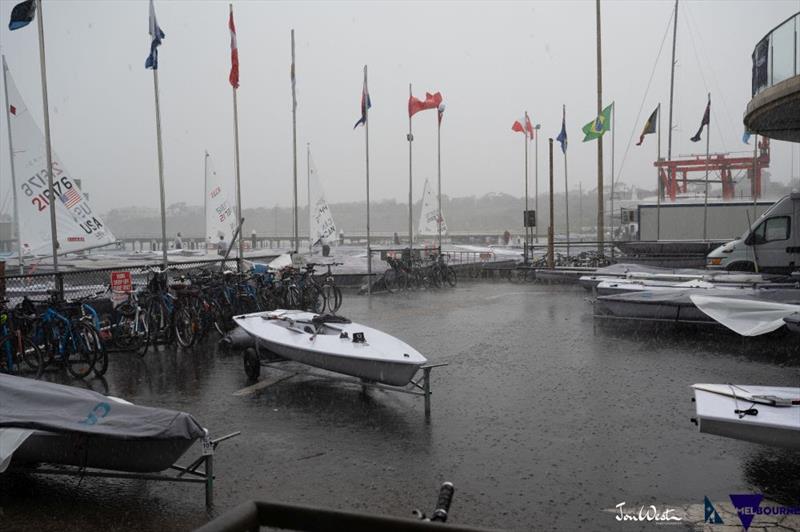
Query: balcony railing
[(777, 56)]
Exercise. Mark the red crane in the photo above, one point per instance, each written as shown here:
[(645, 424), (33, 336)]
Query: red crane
[(673, 175)]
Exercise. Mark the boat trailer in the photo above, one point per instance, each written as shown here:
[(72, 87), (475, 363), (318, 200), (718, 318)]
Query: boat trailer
[(257, 357), (190, 473)]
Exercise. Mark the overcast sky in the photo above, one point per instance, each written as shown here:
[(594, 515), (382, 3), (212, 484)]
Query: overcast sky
[(491, 61)]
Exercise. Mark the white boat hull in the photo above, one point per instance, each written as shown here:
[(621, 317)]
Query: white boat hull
[(290, 334), (778, 426)]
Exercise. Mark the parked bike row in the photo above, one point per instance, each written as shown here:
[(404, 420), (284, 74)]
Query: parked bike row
[(78, 334), (432, 272)]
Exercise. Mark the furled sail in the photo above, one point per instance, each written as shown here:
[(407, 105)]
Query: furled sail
[(77, 225), (429, 214)]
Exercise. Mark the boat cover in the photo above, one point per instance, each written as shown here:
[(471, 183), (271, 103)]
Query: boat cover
[(32, 404), (748, 317)]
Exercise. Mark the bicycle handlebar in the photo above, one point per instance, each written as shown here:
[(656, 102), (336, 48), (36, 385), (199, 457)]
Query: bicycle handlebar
[(443, 502)]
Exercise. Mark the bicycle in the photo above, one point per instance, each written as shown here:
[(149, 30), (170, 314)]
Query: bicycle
[(331, 294), (18, 354)]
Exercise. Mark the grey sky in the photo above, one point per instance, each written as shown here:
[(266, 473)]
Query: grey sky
[(490, 60)]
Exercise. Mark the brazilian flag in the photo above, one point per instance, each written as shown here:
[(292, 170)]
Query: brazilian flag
[(597, 127)]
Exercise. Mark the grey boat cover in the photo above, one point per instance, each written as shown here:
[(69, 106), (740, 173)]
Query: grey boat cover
[(32, 404)]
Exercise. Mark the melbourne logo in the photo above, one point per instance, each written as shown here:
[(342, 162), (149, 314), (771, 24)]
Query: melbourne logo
[(711, 514), (746, 507)]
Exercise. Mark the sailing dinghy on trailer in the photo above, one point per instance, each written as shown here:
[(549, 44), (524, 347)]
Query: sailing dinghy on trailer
[(334, 344), (761, 414), (79, 227)]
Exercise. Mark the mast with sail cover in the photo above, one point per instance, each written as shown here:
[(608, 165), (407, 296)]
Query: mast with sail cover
[(429, 214), (220, 215), (322, 229), (79, 227)]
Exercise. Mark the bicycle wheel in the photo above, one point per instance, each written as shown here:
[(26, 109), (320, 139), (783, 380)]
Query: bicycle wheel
[(159, 322), (186, 326), (83, 348), (450, 276), (25, 356), (337, 299), (390, 280), (331, 298), (293, 297), (141, 333), (313, 300)]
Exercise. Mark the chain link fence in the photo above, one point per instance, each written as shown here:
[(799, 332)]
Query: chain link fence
[(81, 283)]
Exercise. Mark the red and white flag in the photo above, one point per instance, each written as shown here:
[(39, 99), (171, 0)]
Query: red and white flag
[(529, 126), (234, 75), (523, 125), (431, 101)]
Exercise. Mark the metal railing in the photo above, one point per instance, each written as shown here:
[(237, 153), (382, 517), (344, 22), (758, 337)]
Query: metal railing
[(776, 57)]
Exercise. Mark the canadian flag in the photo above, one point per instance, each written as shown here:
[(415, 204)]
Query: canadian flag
[(523, 125)]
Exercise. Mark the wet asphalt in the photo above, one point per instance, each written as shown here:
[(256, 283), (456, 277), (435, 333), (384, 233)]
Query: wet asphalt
[(543, 420)]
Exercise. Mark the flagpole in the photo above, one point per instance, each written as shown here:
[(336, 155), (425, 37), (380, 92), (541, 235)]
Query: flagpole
[(658, 180), (439, 171), (308, 194), (600, 204), (160, 171), (236, 162), (550, 229), (294, 152), (366, 149), (13, 174), (48, 146), (566, 186), (205, 202), (705, 202), (410, 140), (536, 185), (525, 140), (613, 136)]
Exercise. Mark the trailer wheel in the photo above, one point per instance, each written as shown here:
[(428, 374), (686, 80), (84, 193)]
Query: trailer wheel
[(252, 365)]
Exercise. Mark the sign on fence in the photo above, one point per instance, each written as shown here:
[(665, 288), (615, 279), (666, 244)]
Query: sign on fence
[(121, 282)]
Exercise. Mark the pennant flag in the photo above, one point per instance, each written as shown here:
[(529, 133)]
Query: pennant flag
[(157, 35), (649, 126), (366, 103), (529, 126), (22, 14), (597, 127), (562, 137), (441, 112), (705, 122), (431, 101), (746, 136), (233, 77)]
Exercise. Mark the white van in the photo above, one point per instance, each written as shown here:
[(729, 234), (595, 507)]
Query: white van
[(772, 244)]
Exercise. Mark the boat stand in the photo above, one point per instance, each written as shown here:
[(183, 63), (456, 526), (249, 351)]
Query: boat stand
[(190, 473), (420, 386)]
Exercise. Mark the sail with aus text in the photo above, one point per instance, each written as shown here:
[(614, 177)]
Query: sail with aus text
[(78, 227), (429, 214), (322, 229)]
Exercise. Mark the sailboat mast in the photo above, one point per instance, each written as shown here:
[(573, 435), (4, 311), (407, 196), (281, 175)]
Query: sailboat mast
[(308, 194), (13, 175), (671, 96), (205, 201)]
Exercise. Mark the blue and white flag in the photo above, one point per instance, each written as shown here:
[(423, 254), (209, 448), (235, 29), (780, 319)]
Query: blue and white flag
[(562, 137), (157, 35), (746, 136)]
